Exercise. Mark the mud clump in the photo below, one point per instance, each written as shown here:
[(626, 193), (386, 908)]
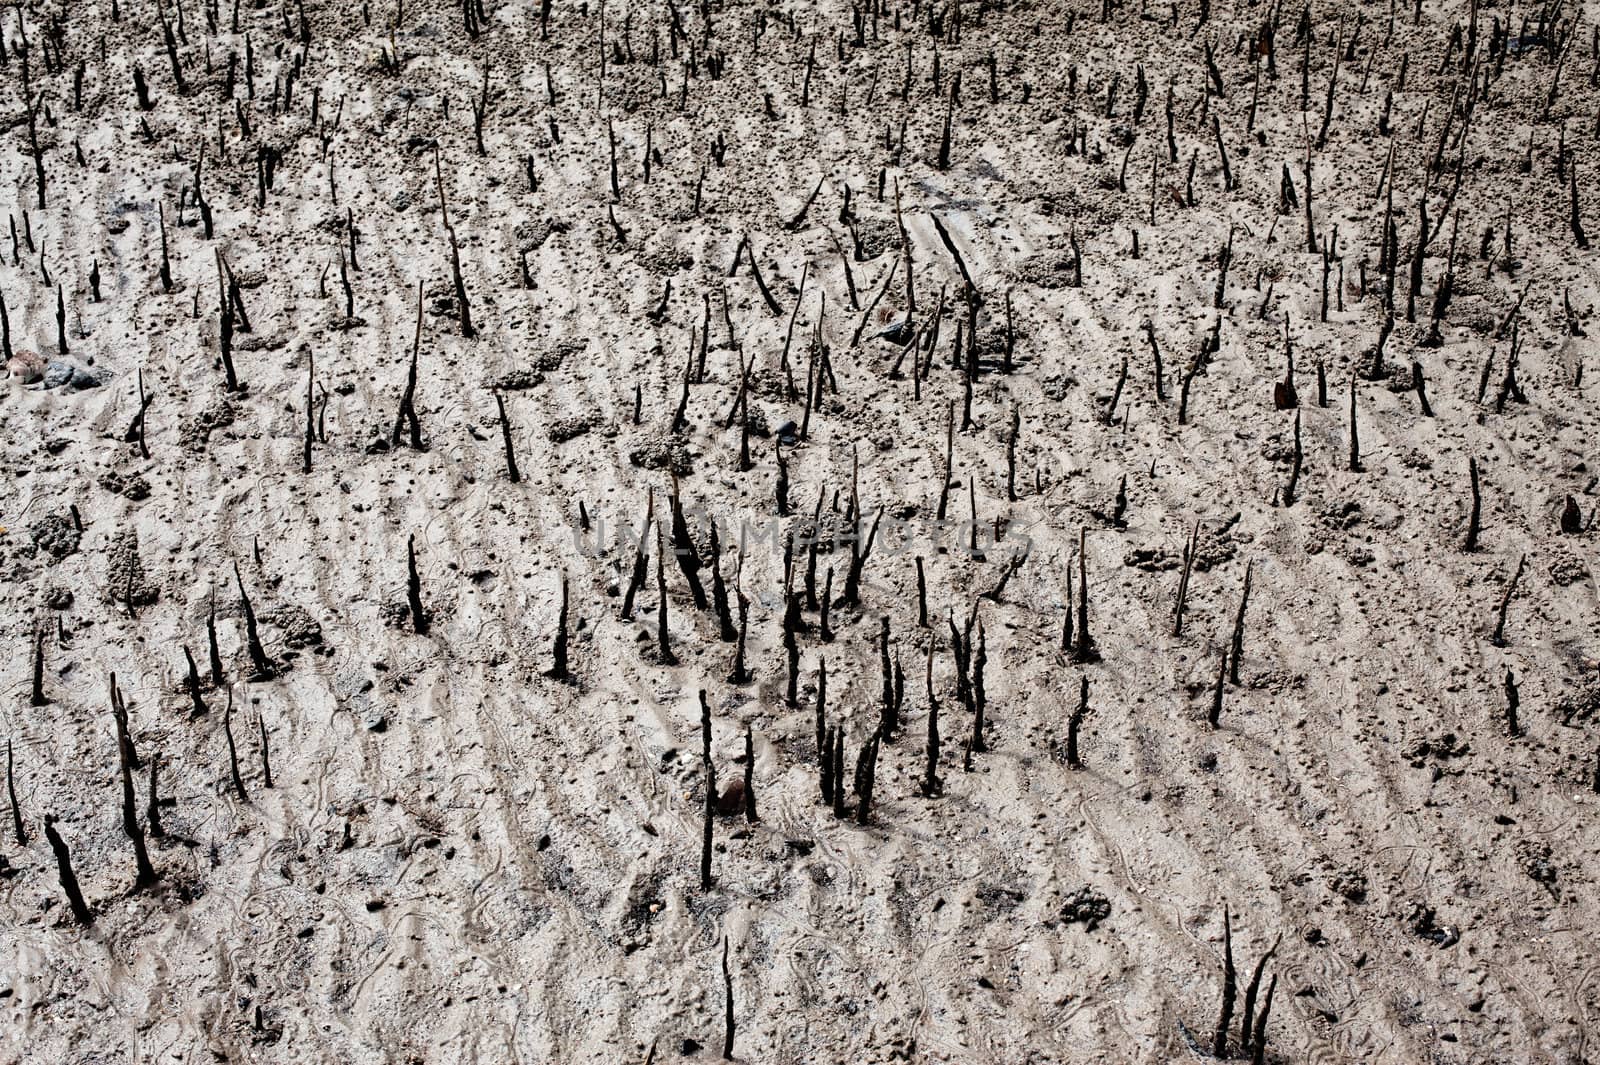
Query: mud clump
[(1581, 703), (1211, 550), (563, 429), (1421, 921), (874, 236), (128, 485), (1058, 386), (662, 451), (126, 582), (1051, 270), (1277, 681), (1350, 883), (551, 358), (662, 255), (297, 628), (531, 235), (518, 380), (830, 530), (1152, 559), (55, 535), (1535, 859), (1086, 907), (1566, 568), (1440, 748), (1340, 516), (395, 614), (195, 433)]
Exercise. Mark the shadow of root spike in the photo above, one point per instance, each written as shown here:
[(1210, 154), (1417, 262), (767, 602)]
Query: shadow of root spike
[(69, 881)]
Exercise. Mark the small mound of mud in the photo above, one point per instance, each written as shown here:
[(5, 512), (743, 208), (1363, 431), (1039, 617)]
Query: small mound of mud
[(1049, 270), (1350, 883), (125, 577), (662, 255), (55, 535), (1420, 920), (1581, 703), (396, 614), (1567, 568), (1535, 859), (1086, 907), (1213, 548), (517, 380), (195, 433), (874, 236), (298, 628), (563, 429), (128, 485), (829, 531), (662, 451), (531, 235), (1439, 748), (552, 357)]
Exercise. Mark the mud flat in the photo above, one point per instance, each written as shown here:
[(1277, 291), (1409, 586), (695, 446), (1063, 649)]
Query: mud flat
[(1014, 532)]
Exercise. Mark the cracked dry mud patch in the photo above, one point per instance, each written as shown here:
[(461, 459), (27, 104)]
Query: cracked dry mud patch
[(1176, 301)]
